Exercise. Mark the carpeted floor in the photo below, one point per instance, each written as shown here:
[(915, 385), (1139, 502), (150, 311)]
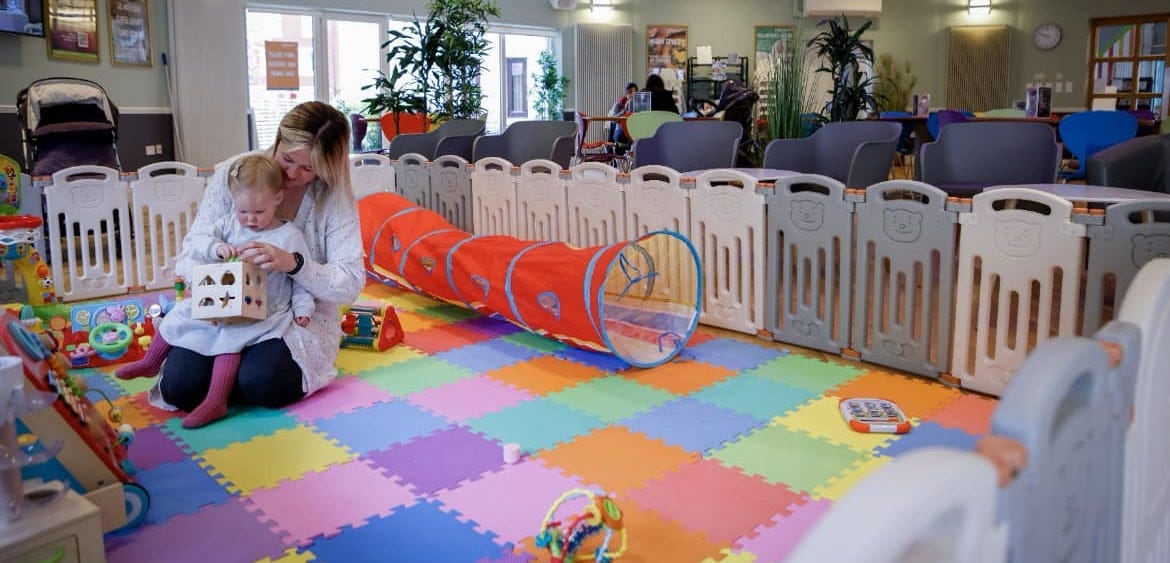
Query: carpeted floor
[(728, 453)]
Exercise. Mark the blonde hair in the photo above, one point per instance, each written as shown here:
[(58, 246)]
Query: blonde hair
[(255, 172), (324, 131)]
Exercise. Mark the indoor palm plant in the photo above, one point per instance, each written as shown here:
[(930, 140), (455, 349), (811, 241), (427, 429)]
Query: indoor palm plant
[(895, 84), (789, 97), (548, 93), (844, 56)]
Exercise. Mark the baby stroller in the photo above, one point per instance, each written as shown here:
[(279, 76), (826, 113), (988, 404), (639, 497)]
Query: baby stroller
[(736, 103), (67, 122)]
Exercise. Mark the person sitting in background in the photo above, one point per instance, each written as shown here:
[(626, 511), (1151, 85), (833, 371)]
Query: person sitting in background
[(661, 99), (624, 106)]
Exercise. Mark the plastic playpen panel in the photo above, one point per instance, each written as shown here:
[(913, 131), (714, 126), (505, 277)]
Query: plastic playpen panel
[(809, 263), (90, 201), (1145, 520), (493, 197), (412, 178), (727, 226), (904, 277), (1134, 232), (451, 190), (371, 174), (164, 200), (541, 202), (596, 206), (1020, 264), (656, 201)]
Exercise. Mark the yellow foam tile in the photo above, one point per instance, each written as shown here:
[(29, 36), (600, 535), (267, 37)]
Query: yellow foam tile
[(265, 461), (414, 322), (355, 360), (291, 556), (728, 556), (839, 486), (822, 419), (409, 302)]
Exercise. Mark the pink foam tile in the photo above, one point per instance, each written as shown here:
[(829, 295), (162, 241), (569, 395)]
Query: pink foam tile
[(512, 502), (321, 503), (776, 540), (469, 398), (722, 503), (344, 395)]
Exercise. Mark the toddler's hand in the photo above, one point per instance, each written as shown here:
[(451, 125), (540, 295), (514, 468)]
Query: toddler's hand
[(301, 321), (226, 251)]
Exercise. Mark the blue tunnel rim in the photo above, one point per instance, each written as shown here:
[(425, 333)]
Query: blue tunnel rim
[(698, 300)]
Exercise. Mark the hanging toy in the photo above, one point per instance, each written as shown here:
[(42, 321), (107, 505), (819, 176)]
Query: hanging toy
[(562, 539)]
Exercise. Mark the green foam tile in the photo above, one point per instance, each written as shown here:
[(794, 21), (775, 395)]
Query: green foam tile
[(807, 373), (535, 425), (780, 455), (448, 312), (535, 341), (240, 425), (611, 398), (133, 386), (412, 376)]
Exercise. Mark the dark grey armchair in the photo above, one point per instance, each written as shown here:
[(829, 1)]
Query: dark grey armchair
[(452, 137), (530, 140), (1142, 163), (968, 157), (690, 145), (857, 153)]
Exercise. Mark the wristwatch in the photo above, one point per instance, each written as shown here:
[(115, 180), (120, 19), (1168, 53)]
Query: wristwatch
[(300, 260)]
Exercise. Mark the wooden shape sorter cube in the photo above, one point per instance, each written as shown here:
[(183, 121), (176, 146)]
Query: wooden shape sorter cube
[(228, 291)]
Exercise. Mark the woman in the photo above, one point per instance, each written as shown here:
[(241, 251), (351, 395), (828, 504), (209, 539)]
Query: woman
[(312, 149), (661, 99)]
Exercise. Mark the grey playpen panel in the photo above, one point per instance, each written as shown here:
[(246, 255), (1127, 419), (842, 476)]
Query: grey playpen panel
[(809, 262), (904, 277), (1134, 233), (1068, 407), (413, 178), (451, 190)]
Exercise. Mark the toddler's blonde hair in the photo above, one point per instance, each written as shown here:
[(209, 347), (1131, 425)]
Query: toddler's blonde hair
[(255, 172)]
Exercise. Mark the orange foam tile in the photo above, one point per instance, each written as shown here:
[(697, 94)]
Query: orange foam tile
[(616, 458), (917, 397), (545, 374), (970, 413), (680, 377)]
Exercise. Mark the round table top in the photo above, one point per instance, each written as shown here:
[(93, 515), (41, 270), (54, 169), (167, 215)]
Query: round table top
[(757, 173), (1089, 193)]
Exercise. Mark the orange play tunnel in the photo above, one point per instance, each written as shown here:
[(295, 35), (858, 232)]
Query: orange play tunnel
[(637, 299)]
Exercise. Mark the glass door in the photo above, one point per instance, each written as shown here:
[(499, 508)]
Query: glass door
[(281, 68), (353, 57)]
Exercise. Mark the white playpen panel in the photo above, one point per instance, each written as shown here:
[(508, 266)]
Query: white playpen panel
[(493, 197), (541, 202), (1145, 520), (1020, 264), (451, 190), (727, 226), (163, 201), (596, 206), (912, 510), (412, 179), (88, 199), (656, 201), (370, 174)]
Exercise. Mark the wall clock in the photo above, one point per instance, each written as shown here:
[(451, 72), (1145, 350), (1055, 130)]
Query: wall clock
[(1047, 36)]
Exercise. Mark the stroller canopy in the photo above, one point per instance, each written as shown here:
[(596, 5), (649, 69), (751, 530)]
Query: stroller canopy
[(58, 100), (67, 122)]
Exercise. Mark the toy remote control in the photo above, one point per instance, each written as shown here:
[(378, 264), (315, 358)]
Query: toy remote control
[(874, 416)]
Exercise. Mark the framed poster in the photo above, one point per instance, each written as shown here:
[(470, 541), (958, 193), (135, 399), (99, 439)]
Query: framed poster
[(72, 30), (129, 32), (773, 42), (666, 47)]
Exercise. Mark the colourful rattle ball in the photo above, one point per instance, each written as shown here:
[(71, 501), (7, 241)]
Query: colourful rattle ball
[(564, 537)]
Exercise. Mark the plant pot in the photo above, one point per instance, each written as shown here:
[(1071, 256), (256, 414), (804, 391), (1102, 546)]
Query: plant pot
[(408, 122)]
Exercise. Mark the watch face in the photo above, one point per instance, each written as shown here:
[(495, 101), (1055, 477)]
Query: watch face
[(1046, 36)]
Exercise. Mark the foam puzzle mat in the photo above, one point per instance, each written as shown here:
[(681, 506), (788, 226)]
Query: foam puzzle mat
[(728, 453)]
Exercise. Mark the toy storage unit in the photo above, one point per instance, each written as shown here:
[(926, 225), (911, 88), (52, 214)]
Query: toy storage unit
[(67, 531)]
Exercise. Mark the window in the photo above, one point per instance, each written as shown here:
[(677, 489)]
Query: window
[(1128, 63), (517, 87)]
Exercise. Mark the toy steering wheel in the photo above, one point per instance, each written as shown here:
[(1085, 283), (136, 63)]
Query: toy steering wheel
[(113, 349)]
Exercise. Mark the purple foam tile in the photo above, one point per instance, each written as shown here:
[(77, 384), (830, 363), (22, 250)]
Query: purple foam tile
[(513, 501), (776, 541), (488, 355), (929, 434), (222, 532), (440, 460), (600, 360), (152, 447), (378, 426), (692, 424), (469, 398), (344, 395), (734, 354), (489, 326)]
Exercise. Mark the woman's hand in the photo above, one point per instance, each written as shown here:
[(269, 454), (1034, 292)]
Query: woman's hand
[(266, 256)]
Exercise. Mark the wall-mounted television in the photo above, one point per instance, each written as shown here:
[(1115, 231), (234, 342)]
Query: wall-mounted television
[(24, 17)]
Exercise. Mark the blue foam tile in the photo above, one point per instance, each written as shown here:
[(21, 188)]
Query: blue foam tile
[(179, 488), (421, 532), (754, 396), (692, 424), (488, 355), (100, 381), (734, 354), (496, 327), (535, 425), (380, 425), (600, 360), (929, 434)]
